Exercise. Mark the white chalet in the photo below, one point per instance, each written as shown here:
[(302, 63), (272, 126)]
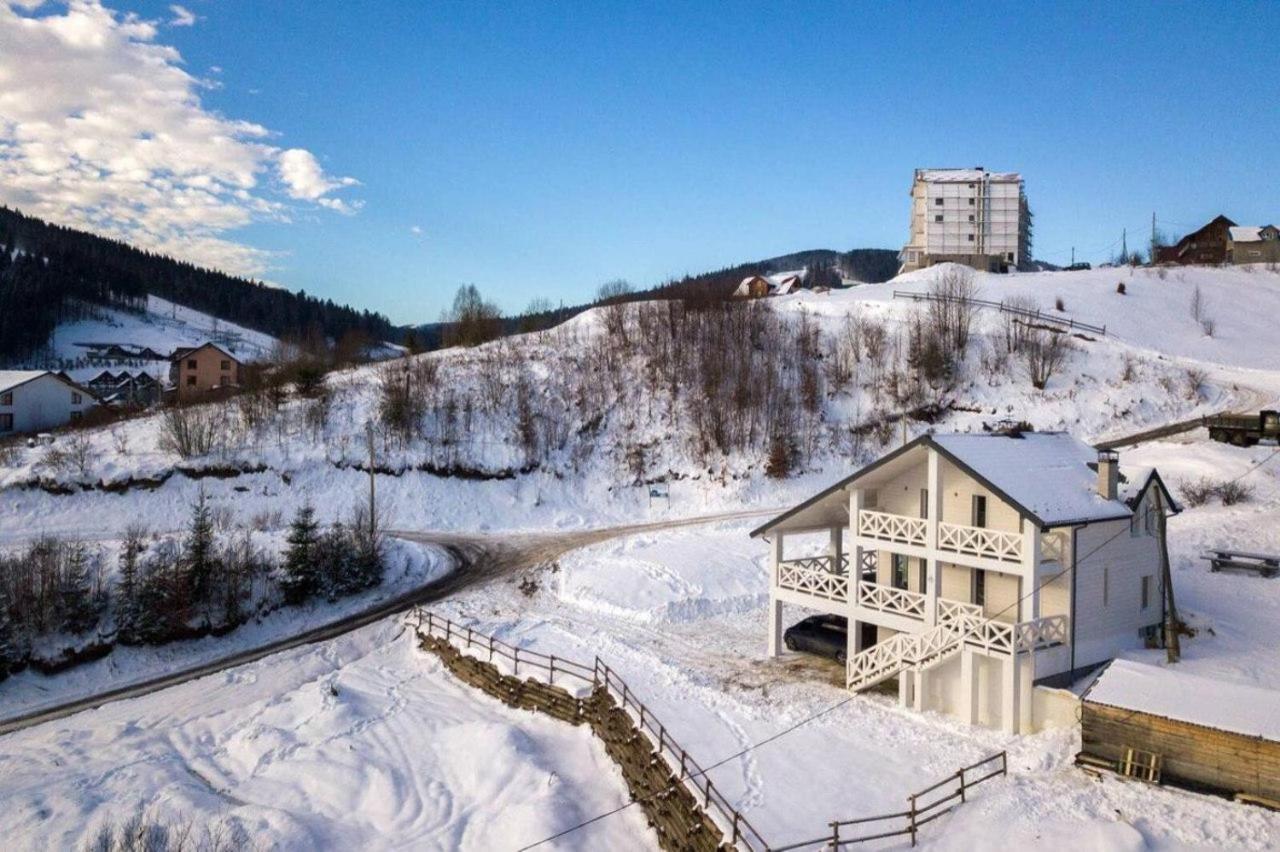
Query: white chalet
[(31, 400), (976, 566)]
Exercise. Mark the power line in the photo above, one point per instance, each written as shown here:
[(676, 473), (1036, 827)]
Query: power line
[(780, 734)]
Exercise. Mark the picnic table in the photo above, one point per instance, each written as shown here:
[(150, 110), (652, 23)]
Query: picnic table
[(1266, 564)]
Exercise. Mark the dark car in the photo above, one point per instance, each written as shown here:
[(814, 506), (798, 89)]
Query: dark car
[(1078, 267), (824, 635)]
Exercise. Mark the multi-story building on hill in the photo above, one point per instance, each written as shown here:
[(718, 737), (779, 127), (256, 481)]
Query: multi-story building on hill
[(970, 216)]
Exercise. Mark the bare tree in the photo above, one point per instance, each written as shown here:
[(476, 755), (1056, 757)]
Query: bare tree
[(1044, 352)]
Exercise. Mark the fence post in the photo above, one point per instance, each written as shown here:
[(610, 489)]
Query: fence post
[(516, 659), (835, 835), (736, 816), (708, 792), (552, 677), (448, 630), (468, 638), (912, 816), (960, 775), (683, 771), (491, 649)]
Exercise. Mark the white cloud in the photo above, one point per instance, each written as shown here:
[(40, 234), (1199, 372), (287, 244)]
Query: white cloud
[(415, 230), (182, 16), (101, 128)]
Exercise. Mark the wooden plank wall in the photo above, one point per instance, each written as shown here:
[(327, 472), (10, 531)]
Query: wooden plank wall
[(672, 810), (1193, 756)]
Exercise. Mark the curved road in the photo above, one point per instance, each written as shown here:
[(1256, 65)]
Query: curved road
[(477, 559)]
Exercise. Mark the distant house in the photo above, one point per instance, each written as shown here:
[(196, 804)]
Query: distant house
[(969, 216), (753, 287), (203, 368), (1207, 246), (976, 568), (31, 400), (785, 283), (1253, 244)]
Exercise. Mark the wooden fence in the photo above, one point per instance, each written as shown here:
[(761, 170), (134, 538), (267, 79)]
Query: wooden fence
[(1028, 314), (688, 812)]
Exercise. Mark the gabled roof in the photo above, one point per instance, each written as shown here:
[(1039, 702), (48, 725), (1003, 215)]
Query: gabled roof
[(184, 351), (1248, 233), (10, 379), (1047, 477)]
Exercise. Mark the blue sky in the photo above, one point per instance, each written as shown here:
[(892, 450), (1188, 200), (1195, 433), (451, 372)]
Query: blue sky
[(543, 149)]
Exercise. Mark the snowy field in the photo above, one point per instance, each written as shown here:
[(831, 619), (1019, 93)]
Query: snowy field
[(679, 614), (362, 742)]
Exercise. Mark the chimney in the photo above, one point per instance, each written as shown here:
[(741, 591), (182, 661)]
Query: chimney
[(1108, 474)]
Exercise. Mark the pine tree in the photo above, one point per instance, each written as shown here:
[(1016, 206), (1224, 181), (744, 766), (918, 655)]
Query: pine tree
[(129, 590), (301, 579), (78, 611), (198, 554), (8, 642)]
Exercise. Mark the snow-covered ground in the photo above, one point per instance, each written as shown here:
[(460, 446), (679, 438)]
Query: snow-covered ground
[(362, 742), (679, 614)]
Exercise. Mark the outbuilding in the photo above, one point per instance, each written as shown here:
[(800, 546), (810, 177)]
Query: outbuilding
[(1184, 729)]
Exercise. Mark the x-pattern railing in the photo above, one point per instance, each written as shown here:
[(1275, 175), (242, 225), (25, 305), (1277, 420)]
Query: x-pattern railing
[(977, 541), (798, 575), (1052, 548), (888, 527), (892, 600)]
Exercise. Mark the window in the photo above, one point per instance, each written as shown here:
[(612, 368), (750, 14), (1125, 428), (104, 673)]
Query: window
[(76, 415), (871, 498), (76, 399), (937, 202), (191, 381), (979, 510), (224, 380), (971, 238), (924, 502), (979, 587), (6, 398), (226, 365), (924, 577), (1146, 591), (191, 363), (899, 578), (970, 217), (6, 422), (1106, 586), (938, 218), (971, 204)]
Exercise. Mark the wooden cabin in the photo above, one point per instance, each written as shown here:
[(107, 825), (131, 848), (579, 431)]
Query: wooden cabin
[(1196, 732)]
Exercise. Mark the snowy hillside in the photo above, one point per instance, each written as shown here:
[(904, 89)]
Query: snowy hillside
[(164, 326)]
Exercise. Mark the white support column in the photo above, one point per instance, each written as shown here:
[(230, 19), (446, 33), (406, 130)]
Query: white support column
[(1010, 695), (775, 605), (1029, 597), (856, 500), (1026, 681), (933, 570), (917, 691), (904, 689), (968, 687)]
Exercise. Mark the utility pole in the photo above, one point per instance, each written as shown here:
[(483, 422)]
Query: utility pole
[(1073, 255), (1152, 258), (1124, 246), (373, 529), (1172, 625)]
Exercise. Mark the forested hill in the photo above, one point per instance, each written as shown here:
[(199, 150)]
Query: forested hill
[(46, 271)]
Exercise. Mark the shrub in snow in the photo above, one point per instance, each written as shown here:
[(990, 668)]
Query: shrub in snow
[(1198, 492), (1043, 353), (1120, 288), (1231, 493)]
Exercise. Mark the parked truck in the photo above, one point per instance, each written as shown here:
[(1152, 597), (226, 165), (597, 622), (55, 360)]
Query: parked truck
[(1244, 430)]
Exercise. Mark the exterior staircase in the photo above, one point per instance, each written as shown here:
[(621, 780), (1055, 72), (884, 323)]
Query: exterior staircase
[(914, 651)]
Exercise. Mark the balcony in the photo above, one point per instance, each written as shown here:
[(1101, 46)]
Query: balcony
[(813, 577), (898, 529), (980, 542), (960, 539)]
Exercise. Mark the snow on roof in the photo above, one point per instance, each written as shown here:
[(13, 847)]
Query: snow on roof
[(1173, 694), (965, 175), (12, 378), (1047, 473), (1245, 233)]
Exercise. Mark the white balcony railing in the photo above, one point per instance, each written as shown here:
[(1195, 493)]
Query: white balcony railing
[(1052, 548), (1043, 632), (899, 529), (977, 541), (813, 577), (891, 600)]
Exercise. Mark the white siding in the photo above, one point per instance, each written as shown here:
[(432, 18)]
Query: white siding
[(44, 403)]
